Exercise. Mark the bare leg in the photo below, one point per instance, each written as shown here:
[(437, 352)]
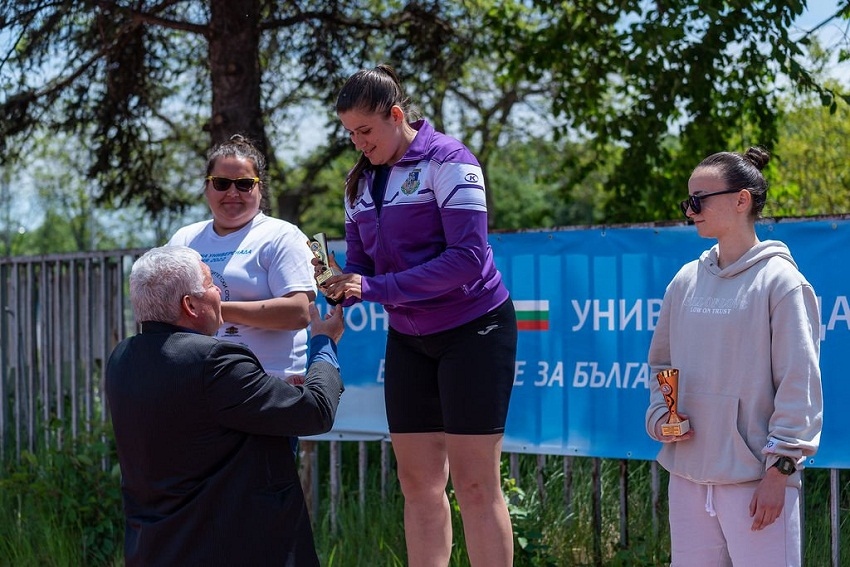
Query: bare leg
[(423, 472), (474, 462)]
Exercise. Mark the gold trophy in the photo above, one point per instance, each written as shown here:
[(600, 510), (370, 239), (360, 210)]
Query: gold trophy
[(319, 246), (669, 381)]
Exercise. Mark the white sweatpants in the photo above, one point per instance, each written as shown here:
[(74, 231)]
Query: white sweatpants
[(726, 539)]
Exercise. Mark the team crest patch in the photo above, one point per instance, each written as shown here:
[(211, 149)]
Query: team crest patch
[(411, 184)]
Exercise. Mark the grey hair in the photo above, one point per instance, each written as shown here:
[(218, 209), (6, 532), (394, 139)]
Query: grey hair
[(160, 278)]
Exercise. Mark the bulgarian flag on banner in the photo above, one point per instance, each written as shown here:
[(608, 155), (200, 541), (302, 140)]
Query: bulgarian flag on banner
[(532, 315)]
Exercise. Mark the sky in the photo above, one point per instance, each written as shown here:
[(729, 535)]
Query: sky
[(818, 11), (831, 34)]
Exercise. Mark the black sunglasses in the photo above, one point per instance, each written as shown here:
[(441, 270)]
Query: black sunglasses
[(694, 203), (243, 184)]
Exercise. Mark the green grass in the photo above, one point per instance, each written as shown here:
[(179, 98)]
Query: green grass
[(548, 531), (373, 535), (58, 507), (816, 521)]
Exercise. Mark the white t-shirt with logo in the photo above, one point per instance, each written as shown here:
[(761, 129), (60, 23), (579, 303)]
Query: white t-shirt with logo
[(266, 258)]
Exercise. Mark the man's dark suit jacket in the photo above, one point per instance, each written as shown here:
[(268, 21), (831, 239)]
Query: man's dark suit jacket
[(208, 472)]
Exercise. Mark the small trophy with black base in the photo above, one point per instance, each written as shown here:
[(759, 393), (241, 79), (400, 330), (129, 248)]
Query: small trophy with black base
[(324, 270), (668, 380)]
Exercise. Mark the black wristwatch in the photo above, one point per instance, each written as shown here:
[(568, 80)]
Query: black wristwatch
[(786, 465)]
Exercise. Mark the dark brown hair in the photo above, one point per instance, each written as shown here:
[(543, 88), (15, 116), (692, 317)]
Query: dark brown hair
[(240, 146), (371, 91), (743, 171)]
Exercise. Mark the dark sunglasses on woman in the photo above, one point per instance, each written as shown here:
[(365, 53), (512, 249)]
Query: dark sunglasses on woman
[(693, 201), (243, 184)]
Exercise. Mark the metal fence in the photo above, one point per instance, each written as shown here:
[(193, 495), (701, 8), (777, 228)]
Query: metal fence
[(63, 314)]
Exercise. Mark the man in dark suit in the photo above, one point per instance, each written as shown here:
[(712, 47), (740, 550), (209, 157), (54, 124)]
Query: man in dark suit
[(208, 473)]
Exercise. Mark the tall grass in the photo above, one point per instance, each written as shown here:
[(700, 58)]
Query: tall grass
[(817, 547), (373, 535), (551, 517), (59, 506), (561, 516)]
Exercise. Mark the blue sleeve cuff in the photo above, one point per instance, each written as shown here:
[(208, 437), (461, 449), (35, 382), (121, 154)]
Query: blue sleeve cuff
[(322, 348)]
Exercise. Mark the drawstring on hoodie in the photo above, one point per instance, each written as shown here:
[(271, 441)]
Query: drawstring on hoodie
[(709, 501)]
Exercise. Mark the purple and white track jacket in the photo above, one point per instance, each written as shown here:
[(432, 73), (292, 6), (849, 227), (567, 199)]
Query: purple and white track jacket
[(425, 256)]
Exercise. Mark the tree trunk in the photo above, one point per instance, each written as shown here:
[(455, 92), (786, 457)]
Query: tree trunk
[(289, 206), (234, 47)]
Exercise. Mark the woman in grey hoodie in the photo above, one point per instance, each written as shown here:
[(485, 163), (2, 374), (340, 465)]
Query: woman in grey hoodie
[(741, 324)]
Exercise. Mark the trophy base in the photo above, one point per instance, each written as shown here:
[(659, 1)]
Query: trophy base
[(324, 276), (675, 429)]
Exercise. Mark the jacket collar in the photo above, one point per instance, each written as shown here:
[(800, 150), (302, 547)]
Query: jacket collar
[(160, 327), (420, 144)]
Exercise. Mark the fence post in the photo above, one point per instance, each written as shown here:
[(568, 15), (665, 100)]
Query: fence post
[(385, 468), (541, 481), (335, 466), (655, 491), (624, 504), (568, 486), (362, 459), (306, 451), (596, 482), (834, 519)]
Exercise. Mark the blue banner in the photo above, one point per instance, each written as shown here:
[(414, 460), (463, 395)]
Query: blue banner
[(587, 301)]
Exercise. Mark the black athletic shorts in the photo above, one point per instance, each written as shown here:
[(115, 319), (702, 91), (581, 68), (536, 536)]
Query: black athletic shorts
[(457, 381)]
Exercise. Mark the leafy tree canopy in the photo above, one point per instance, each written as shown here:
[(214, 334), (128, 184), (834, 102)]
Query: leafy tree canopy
[(640, 91), (663, 83)]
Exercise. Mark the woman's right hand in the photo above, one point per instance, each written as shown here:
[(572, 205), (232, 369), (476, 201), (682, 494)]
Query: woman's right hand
[(339, 288), (672, 438), (319, 268)]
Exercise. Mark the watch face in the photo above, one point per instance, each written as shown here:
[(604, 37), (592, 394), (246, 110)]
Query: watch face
[(785, 465)]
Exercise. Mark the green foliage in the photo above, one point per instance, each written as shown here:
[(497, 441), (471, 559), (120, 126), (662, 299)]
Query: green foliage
[(527, 521), (59, 507), (818, 513), (371, 536), (323, 192), (670, 83), (539, 183), (63, 215), (136, 78), (368, 535), (810, 176), (551, 515), (645, 88)]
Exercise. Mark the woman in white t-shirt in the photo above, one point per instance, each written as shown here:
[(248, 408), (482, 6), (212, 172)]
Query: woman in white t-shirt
[(261, 264)]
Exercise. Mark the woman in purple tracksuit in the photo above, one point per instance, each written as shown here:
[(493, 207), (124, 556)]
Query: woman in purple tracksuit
[(416, 235)]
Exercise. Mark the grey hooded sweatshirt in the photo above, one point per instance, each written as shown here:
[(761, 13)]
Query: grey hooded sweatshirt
[(745, 339)]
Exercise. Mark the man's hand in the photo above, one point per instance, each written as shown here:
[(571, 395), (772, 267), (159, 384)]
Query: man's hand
[(332, 325)]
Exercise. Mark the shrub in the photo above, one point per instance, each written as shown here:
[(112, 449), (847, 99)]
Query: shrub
[(61, 505)]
